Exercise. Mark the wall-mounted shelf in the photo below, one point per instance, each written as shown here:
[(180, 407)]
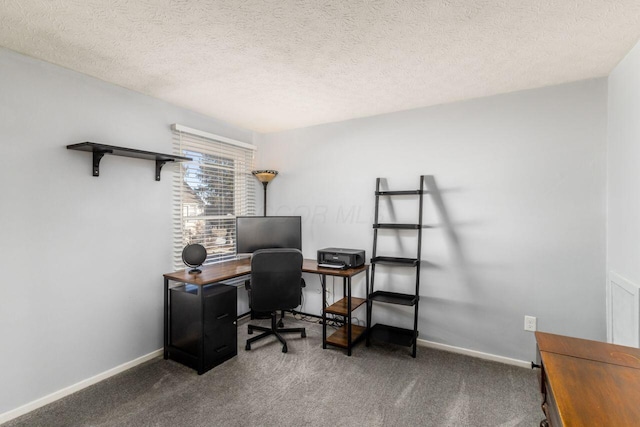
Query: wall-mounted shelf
[(99, 150)]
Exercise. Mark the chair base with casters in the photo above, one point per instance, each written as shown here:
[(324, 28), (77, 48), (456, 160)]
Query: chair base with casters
[(255, 315), (274, 330)]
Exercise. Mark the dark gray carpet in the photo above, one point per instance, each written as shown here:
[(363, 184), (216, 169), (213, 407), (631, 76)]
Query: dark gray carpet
[(308, 386)]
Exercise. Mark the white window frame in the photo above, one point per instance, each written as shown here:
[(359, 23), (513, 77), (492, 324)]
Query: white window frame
[(190, 204)]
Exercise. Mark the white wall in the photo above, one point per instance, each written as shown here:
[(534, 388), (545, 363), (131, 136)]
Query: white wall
[(522, 177), (623, 163), (82, 257), (623, 153)]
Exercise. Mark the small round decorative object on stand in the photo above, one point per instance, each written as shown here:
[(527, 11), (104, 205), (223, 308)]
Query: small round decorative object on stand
[(193, 256)]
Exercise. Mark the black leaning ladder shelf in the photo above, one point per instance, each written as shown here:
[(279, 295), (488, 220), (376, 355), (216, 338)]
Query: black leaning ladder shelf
[(392, 334)]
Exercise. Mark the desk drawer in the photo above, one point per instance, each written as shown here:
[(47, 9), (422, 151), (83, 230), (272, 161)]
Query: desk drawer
[(220, 310), (220, 344)]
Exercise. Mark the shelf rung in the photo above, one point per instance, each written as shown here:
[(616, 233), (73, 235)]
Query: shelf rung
[(393, 335), (398, 193), (398, 226), (394, 298), (408, 262)]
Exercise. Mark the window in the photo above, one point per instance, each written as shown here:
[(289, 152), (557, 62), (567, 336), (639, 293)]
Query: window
[(210, 191)]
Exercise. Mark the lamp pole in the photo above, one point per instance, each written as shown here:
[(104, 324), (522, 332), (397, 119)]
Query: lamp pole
[(264, 210)]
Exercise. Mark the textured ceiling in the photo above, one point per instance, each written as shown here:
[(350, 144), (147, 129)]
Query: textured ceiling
[(271, 65)]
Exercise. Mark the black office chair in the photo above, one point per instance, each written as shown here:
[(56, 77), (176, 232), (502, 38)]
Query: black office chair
[(276, 284)]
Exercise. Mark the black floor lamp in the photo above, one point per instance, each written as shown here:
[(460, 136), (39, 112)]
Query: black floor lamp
[(265, 177)]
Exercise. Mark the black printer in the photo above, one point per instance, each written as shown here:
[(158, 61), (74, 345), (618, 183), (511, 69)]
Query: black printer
[(340, 258)]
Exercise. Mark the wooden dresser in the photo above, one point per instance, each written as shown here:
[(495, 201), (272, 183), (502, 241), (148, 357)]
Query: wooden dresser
[(588, 383)]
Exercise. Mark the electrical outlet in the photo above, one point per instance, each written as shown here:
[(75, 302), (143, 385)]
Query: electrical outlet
[(530, 323)]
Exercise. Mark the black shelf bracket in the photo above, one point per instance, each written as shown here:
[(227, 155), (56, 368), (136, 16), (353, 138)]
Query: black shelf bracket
[(99, 150), (159, 165), (97, 156)]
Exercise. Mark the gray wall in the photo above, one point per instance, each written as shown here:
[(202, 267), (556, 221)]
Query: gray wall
[(522, 178), (82, 257), (623, 224)]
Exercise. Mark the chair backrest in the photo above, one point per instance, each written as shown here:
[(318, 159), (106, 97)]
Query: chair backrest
[(276, 277)]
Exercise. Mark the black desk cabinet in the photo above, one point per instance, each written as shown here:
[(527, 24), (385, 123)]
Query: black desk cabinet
[(202, 325)]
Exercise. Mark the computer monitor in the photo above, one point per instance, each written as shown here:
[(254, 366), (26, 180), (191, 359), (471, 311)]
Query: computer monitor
[(262, 232)]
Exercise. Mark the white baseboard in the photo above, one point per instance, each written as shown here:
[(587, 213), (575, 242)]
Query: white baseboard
[(474, 353), (15, 413)]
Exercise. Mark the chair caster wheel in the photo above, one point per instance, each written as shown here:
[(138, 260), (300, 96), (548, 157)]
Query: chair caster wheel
[(249, 330), (247, 347), (284, 349), (304, 334)]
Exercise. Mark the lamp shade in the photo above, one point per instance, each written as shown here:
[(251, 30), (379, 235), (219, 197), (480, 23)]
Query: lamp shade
[(265, 176)]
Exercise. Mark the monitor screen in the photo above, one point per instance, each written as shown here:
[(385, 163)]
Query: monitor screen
[(262, 232)]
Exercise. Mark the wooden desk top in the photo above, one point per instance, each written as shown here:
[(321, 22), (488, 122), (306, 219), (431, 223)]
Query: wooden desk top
[(593, 383), (213, 273), (591, 350), (239, 267)]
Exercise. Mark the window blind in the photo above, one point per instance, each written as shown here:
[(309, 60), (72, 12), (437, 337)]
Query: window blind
[(210, 191)]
